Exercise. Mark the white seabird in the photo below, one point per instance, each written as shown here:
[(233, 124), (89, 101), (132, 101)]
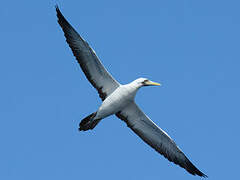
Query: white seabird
[(119, 100)]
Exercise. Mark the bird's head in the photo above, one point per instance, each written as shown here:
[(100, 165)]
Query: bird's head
[(145, 82)]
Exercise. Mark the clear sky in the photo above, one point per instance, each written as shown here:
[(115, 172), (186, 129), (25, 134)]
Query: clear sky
[(191, 47)]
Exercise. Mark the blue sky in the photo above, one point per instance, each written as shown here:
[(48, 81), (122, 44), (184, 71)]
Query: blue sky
[(191, 47)]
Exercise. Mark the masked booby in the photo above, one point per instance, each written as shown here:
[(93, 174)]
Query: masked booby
[(119, 100)]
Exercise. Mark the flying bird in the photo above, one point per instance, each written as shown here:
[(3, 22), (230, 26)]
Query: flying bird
[(118, 99)]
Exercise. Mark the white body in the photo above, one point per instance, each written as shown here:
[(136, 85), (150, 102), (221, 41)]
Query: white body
[(118, 100)]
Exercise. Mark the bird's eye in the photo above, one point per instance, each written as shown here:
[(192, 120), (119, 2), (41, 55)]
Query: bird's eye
[(144, 81)]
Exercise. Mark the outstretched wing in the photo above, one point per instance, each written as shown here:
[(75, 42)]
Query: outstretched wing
[(87, 59), (156, 137)]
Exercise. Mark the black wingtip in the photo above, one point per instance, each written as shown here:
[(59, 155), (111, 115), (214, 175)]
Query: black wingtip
[(202, 175), (199, 173), (59, 14), (57, 9), (193, 170), (205, 176), (61, 19)]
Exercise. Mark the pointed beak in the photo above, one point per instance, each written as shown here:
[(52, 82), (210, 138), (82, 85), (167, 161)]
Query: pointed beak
[(151, 83)]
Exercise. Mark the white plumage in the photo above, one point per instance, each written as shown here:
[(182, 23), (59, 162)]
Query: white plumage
[(122, 97), (119, 100)]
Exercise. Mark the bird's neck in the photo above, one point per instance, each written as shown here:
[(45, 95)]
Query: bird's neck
[(132, 89)]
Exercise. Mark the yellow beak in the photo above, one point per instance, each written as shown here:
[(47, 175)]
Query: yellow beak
[(151, 83)]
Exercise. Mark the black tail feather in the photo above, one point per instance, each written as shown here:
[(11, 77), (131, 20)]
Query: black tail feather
[(88, 122)]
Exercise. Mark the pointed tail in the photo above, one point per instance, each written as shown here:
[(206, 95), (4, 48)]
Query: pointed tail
[(88, 122)]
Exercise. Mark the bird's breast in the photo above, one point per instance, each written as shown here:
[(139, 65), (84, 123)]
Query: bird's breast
[(119, 99)]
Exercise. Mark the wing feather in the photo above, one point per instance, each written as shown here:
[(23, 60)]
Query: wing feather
[(154, 136), (87, 59)]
